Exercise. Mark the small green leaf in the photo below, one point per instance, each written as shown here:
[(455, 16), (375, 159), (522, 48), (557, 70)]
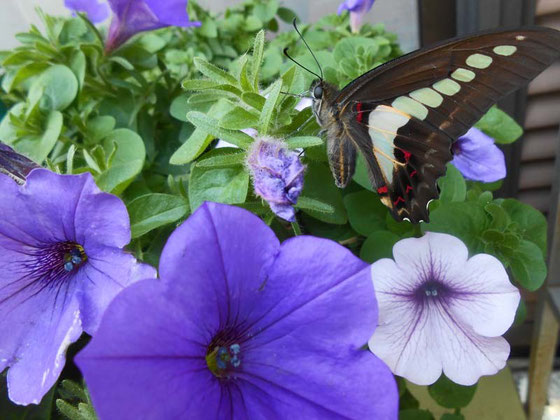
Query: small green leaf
[(192, 148), (528, 266), (531, 222), (151, 211), (268, 108), (211, 126), (254, 99), (234, 158), (258, 51), (308, 203), (98, 128), (378, 245), (238, 119), (500, 218), (303, 142), (287, 15), (361, 175), (38, 147), (213, 72), (222, 185), (448, 394), (500, 126), (453, 186), (199, 84), (57, 87), (450, 416), (253, 23), (127, 162)]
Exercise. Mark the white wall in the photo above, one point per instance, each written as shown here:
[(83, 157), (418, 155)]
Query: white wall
[(400, 16)]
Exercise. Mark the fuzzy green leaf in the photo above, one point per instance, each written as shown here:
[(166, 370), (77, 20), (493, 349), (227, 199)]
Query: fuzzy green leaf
[(211, 126), (151, 211), (268, 108)]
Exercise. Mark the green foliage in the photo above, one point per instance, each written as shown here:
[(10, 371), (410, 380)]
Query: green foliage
[(500, 126), (448, 394)]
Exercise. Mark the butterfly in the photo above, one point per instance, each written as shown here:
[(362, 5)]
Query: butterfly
[(404, 115)]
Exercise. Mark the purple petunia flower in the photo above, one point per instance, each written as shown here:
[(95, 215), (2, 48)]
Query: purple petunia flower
[(357, 9), (441, 311), (134, 16), (96, 10), (61, 263), (277, 175), (241, 327), (15, 165), (478, 158)]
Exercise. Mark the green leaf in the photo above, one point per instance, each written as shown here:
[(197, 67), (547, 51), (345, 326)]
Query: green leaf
[(500, 218), (258, 51), (151, 211), (318, 184), (500, 126), (314, 205), (233, 158), (378, 245), (303, 142), (199, 84), (127, 162), (222, 185), (448, 394), (520, 314), (192, 148), (253, 23), (528, 265), (287, 15), (466, 220), (415, 414), (208, 29), (365, 211), (238, 119), (211, 126), (266, 10), (57, 87), (78, 66), (449, 416), (531, 222), (453, 186), (268, 108), (98, 128), (254, 99), (38, 147), (361, 175), (213, 72)]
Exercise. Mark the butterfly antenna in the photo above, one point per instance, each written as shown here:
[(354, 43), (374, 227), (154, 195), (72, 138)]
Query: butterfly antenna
[(309, 48), (303, 67)]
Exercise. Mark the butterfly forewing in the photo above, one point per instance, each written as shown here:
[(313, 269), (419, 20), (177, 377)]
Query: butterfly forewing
[(404, 115)]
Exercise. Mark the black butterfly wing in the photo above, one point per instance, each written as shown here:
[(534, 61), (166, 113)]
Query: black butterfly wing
[(405, 114)]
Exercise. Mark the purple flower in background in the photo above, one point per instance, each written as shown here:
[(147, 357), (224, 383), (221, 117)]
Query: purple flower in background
[(357, 9), (134, 16), (15, 165), (277, 175), (96, 10), (478, 158), (241, 327), (61, 263), (440, 311)]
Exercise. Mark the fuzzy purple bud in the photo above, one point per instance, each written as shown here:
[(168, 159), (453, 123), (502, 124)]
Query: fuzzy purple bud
[(277, 175), (357, 9), (14, 165)]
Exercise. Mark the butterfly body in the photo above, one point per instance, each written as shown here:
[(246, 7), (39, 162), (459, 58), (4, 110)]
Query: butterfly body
[(404, 115)]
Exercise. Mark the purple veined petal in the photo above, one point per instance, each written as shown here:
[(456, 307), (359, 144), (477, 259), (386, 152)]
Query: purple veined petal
[(93, 227), (337, 313), (96, 10), (156, 355), (35, 335), (49, 219), (208, 245), (107, 273), (478, 158), (489, 300), (439, 312), (171, 12)]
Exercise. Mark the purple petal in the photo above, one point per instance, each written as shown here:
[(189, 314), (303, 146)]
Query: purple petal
[(315, 334), (108, 272), (165, 370), (478, 158), (171, 12), (35, 335), (361, 6), (96, 10), (209, 246)]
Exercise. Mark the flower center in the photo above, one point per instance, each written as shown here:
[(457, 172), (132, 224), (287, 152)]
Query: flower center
[(432, 290), (222, 360), (54, 262)]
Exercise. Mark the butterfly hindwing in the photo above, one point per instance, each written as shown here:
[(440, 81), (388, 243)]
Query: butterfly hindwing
[(404, 115)]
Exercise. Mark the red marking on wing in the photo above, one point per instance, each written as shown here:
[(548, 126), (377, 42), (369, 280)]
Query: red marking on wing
[(398, 200), (413, 173), (382, 190), (408, 188), (407, 155), (360, 115)]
